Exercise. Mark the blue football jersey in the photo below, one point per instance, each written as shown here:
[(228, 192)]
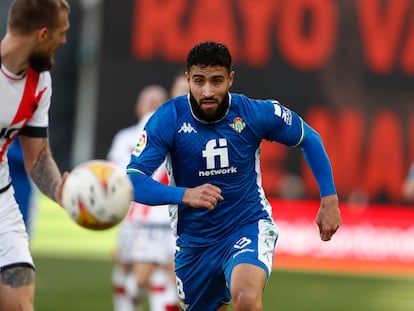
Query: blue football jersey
[(225, 153)]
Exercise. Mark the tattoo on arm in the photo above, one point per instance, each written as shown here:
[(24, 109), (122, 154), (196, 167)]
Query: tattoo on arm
[(46, 174), (17, 277)]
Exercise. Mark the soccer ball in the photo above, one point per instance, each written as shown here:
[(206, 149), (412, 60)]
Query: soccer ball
[(97, 194)]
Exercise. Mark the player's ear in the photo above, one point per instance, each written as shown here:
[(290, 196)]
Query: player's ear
[(42, 34), (231, 78)]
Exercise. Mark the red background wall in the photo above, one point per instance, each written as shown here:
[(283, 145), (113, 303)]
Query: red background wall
[(345, 66)]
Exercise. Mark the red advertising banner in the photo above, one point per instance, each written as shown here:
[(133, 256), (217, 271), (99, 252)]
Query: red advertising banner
[(345, 66), (375, 238)]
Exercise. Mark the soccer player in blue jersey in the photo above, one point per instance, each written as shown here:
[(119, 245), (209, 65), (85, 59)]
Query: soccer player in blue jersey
[(223, 223)]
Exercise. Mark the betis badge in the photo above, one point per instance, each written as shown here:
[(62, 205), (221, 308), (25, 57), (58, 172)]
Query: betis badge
[(238, 125)]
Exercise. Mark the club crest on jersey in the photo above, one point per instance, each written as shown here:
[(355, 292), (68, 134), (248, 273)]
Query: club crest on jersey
[(238, 125), (142, 142)]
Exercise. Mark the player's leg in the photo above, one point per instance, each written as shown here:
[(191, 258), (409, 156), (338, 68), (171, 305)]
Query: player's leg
[(16, 264), (247, 284), (120, 299), (122, 269), (163, 291), (17, 288), (223, 308), (200, 280), (148, 253), (139, 283), (250, 264)]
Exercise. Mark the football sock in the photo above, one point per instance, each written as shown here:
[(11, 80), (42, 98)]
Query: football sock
[(121, 301), (162, 292)]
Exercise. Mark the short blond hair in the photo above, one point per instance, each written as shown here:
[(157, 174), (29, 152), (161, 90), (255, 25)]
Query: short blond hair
[(26, 16)]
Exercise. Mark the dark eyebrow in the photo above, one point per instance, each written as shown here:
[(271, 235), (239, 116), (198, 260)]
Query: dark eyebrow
[(212, 77)]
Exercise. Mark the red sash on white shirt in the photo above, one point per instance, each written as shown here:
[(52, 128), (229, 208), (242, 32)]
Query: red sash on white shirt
[(27, 107)]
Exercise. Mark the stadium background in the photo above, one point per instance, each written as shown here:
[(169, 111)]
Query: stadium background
[(345, 66)]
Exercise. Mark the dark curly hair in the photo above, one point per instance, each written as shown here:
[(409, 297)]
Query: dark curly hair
[(209, 53)]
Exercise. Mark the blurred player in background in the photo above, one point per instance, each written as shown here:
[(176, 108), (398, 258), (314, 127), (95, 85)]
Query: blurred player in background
[(35, 30), (223, 223), (408, 185), (144, 256), (148, 100)]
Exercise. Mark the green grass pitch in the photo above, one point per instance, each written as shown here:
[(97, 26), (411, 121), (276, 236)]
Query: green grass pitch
[(74, 270)]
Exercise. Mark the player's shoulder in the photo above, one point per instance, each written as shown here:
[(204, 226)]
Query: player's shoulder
[(172, 107), (243, 99), (45, 79), (45, 75), (252, 105)]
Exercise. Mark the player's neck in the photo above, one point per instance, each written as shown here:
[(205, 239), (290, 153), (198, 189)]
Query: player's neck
[(13, 54)]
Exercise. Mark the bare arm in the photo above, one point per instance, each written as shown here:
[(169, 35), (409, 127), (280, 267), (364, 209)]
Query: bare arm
[(329, 217), (41, 166)]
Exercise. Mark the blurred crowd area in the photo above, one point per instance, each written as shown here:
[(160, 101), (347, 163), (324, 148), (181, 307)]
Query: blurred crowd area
[(345, 66)]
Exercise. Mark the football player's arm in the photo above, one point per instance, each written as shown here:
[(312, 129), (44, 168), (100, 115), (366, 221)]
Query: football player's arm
[(41, 166), (151, 192), (329, 215)]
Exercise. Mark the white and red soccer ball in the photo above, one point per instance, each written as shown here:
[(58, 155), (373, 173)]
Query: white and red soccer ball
[(97, 194)]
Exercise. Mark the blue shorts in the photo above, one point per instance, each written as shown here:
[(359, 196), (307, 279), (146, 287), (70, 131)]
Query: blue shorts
[(204, 274)]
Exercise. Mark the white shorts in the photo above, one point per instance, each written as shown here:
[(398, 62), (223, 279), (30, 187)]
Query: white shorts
[(144, 241), (14, 241)]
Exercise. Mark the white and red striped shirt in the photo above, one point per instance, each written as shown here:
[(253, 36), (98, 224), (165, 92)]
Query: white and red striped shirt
[(24, 101)]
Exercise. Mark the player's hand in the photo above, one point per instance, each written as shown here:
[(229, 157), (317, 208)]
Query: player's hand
[(329, 217), (205, 195), (59, 189)]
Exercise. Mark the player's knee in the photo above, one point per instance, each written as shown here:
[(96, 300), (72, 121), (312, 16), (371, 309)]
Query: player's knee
[(246, 301)]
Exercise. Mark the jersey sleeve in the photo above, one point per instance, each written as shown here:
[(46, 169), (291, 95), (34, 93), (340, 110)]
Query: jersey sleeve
[(149, 153), (153, 142), (40, 118), (318, 160), (275, 122), (285, 126)]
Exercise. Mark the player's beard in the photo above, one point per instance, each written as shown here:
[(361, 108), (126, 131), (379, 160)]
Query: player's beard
[(41, 62), (217, 116)]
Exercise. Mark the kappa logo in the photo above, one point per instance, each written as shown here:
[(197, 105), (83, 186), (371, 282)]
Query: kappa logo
[(187, 128)]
